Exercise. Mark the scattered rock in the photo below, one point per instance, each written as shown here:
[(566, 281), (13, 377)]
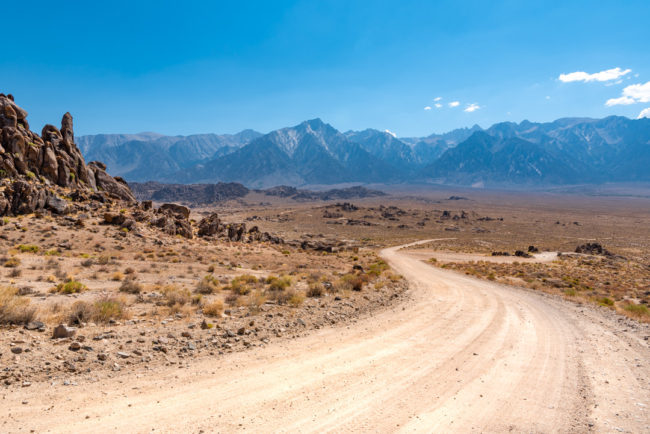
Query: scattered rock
[(62, 331)]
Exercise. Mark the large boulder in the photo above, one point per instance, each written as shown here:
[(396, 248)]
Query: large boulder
[(175, 209), (210, 225)]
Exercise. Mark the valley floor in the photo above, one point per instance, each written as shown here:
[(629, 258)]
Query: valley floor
[(459, 355)]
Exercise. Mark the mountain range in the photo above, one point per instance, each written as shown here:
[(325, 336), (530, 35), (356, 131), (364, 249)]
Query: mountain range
[(565, 151)]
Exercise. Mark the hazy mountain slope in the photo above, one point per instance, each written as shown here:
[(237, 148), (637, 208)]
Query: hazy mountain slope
[(309, 153), (567, 150), (386, 147), (147, 156), (488, 160)]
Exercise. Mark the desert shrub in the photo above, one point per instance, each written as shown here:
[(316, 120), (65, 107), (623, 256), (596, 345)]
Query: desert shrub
[(316, 289), (173, 295), (12, 262), (256, 299), (296, 298), (637, 309), (117, 276), (15, 272), (207, 285), (80, 312), (70, 287), (214, 308), (377, 268), (52, 252), (242, 284), (28, 248), (355, 281), (278, 283), (606, 301), (232, 299), (88, 262), (130, 286), (129, 270), (108, 308), (14, 309), (104, 260)]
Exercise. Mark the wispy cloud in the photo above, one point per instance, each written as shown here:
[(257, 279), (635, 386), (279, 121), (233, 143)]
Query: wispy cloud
[(645, 113), (607, 75), (438, 98), (472, 108), (454, 104), (427, 108), (632, 94), (438, 105)]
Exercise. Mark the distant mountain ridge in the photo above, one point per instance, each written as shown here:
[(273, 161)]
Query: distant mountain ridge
[(565, 151)]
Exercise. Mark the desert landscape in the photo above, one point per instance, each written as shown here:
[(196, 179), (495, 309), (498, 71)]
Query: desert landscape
[(342, 217), (277, 295)]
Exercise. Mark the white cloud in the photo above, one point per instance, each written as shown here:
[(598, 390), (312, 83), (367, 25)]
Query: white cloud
[(454, 104), (624, 100), (438, 98), (427, 108), (632, 94), (548, 97), (391, 133), (645, 113), (438, 105), (607, 75), (472, 108)]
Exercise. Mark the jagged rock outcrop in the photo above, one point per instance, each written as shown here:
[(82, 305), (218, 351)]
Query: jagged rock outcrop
[(36, 171), (211, 226)]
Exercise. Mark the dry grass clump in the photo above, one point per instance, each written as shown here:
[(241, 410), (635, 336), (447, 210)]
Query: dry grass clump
[(353, 281), (117, 276), (173, 296), (278, 283), (208, 285), (639, 311), (214, 308), (70, 287), (130, 286), (316, 289), (11, 262), (102, 310), (243, 284), (14, 309)]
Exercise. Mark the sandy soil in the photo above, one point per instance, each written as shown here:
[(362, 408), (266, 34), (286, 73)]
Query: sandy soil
[(460, 355)]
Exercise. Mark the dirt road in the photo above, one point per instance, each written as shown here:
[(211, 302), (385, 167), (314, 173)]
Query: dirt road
[(461, 355)]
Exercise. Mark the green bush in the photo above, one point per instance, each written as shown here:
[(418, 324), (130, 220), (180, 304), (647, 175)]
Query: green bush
[(70, 287), (28, 248)]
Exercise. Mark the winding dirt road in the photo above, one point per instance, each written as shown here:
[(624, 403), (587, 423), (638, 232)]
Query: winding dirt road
[(460, 355)]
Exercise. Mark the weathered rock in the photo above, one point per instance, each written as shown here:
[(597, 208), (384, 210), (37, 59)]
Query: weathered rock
[(33, 166), (56, 204), (175, 209), (62, 331), (210, 225), (114, 218), (592, 249)]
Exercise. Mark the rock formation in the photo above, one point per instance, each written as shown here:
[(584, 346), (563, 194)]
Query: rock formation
[(36, 171)]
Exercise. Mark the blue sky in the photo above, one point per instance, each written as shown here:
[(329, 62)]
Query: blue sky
[(195, 67)]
